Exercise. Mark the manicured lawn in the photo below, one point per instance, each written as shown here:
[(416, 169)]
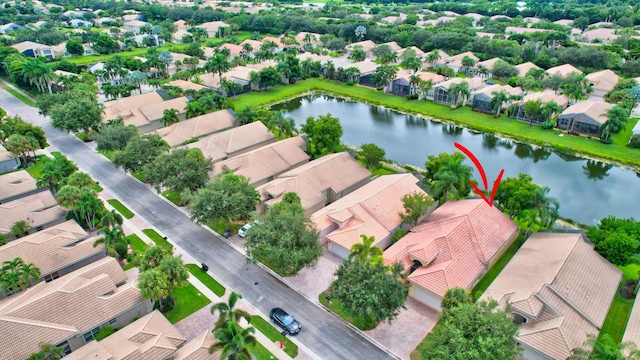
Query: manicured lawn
[(206, 279), (336, 307), (87, 59), (630, 271), (618, 151), (384, 170), (159, 240), (172, 196), (493, 273), (616, 321), (120, 208), (260, 352), (138, 246), (274, 335), (219, 227), (189, 300), (18, 95), (108, 154), (138, 175), (37, 167), (416, 354)]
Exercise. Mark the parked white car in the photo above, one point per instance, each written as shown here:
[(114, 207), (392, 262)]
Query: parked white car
[(243, 230)]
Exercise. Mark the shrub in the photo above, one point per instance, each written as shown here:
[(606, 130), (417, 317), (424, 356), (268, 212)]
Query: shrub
[(121, 248), (104, 332), (129, 258), (350, 83), (380, 88), (548, 124), (398, 235), (606, 141), (635, 141)]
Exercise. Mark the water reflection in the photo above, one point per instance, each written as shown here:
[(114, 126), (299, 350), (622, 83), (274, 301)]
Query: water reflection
[(575, 182), (596, 170)]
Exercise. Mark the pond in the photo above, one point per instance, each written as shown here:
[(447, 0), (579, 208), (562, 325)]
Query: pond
[(587, 190)]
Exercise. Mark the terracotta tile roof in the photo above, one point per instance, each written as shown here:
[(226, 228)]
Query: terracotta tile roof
[(267, 161), (419, 52), (546, 97), (435, 78), (393, 45), (16, 183), (212, 25), (563, 22), (574, 285), (563, 70), (594, 110), (488, 63), (127, 108), (198, 348), (91, 350), (234, 49), (66, 307), (220, 145), (367, 45), (454, 244), (483, 34), (522, 30), (302, 34), (255, 44), (489, 90), (456, 60), (53, 248), (178, 133), (186, 85), (474, 83), (602, 34), (372, 210), (276, 40), (37, 209), (604, 80), (366, 67), (525, 67), (156, 111), (312, 180), (474, 16), (237, 74)]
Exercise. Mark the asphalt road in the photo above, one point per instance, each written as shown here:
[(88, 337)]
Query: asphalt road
[(324, 334)]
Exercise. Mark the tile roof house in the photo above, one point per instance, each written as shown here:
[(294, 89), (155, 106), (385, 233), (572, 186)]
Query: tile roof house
[(488, 64), (563, 22), (480, 99), (40, 210), (134, 25), (32, 49), (453, 247), (441, 91), (8, 160), (185, 85), (238, 74), (401, 85), (235, 141), (481, 34), (563, 70), (234, 50), (525, 67), (584, 117), (17, 184), (366, 68), (604, 35), (455, 62), (367, 46), (263, 164), (393, 45), (314, 38), (212, 28), (143, 111), (183, 131), (56, 251), (442, 56), (318, 182), (371, 210), (567, 293), (198, 348), (522, 30), (150, 337), (602, 82), (70, 310), (544, 97), (419, 52)]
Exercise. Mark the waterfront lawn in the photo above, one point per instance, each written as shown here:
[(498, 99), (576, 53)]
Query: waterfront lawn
[(274, 335), (120, 208), (617, 317), (206, 279), (159, 240), (618, 151), (189, 300)]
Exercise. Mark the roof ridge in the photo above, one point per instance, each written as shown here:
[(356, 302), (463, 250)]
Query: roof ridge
[(40, 323), (572, 306)]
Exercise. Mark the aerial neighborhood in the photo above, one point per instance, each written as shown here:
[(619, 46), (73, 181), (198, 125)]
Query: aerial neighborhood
[(203, 179)]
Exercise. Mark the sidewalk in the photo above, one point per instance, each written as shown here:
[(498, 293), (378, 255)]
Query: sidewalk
[(201, 320)]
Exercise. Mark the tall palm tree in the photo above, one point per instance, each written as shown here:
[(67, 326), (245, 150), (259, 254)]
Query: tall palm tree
[(233, 342), (137, 78), (546, 206), (414, 82), (285, 126), (228, 313), (110, 218), (17, 275), (364, 251), (29, 274), (499, 97), (425, 86), (433, 57), (459, 92), (217, 63), (245, 115), (110, 236), (357, 54), (549, 109), (483, 72), (247, 49), (170, 117), (532, 110), (467, 62), (616, 121), (20, 228), (193, 109), (452, 179), (154, 285), (330, 69), (177, 275)]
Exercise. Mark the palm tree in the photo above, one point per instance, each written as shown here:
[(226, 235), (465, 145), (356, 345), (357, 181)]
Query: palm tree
[(247, 49), (352, 73), (358, 54), (451, 179), (177, 275), (28, 275), (154, 285), (467, 62), (110, 218), (532, 110), (193, 109), (616, 121), (137, 78), (285, 126), (47, 352), (483, 72), (170, 117), (110, 237), (414, 81), (233, 342), (228, 313), (17, 275), (20, 228), (364, 251), (499, 97), (254, 78), (459, 92), (217, 63), (425, 86), (433, 57), (245, 115), (330, 69), (546, 206)]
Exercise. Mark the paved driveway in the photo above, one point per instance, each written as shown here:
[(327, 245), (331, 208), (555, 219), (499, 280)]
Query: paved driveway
[(313, 281)]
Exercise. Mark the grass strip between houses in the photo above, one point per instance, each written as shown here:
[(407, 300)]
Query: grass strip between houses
[(188, 301), (496, 269), (121, 208), (274, 335), (206, 279), (502, 126), (158, 239), (616, 321)]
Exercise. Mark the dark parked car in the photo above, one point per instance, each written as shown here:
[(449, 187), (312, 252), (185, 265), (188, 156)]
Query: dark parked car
[(290, 325)]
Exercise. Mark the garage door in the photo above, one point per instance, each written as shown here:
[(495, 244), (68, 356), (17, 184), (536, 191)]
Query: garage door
[(338, 250), (425, 297)]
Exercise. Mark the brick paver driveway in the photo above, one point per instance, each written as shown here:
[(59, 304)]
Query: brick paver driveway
[(313, 281)]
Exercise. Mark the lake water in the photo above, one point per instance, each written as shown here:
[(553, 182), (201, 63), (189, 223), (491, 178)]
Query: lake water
[(587, 190)]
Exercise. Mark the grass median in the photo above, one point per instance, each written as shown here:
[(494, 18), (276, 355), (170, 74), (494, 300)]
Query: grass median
[(206, 279), (120, 208), (502, 126), (188, 300), (274, 335), (158, 239)]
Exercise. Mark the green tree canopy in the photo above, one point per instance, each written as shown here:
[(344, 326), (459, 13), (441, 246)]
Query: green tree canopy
[(415, 206), (179, 170), (323, 135), (227, 196), (77, 114), (140, 150), (284, 239), (449, 177), (372, 156)]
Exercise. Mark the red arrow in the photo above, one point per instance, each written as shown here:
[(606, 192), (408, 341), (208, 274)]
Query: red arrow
[(482, 174)]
